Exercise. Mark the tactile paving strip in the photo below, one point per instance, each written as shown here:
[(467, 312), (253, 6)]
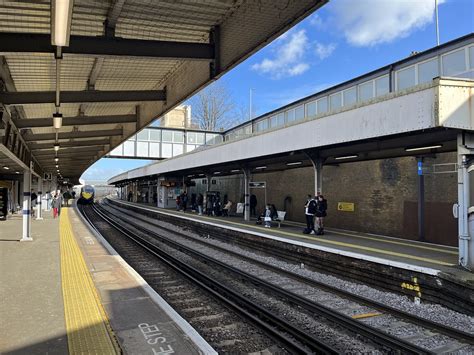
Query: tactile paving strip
[(87, 325)]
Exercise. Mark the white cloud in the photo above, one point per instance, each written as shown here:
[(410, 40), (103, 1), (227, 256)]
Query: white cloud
[(289, 57), (316, 20), (370, 22), (323, 51)]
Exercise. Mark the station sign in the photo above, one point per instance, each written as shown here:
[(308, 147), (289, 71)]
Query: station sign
[(48, 176), (345, 206), (257, 185), (420, 168)]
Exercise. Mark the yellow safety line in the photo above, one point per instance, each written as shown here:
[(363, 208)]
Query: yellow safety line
[(366, 315), (88, 328), (383, 240), (321, 240)]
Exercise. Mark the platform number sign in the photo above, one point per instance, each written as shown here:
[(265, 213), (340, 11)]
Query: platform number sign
[(420, 168), (47, 176)]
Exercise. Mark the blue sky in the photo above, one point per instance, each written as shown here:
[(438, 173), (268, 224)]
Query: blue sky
[(335, 44)]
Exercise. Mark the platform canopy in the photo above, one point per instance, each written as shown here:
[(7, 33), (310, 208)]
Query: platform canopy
[(127, 62)]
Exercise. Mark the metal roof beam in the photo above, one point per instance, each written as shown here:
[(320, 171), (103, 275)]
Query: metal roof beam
[(30, 137), (65, 152), (88, 143), (112, 17), (44, 97), (76, 121), (106, 46)]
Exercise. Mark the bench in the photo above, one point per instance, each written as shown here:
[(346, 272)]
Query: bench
[(281, 218)]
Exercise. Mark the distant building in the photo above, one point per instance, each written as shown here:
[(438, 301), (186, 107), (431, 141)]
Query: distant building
[(179, 117)]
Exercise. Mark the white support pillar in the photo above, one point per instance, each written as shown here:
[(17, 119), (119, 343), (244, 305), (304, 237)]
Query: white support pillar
[(26, 237), (246, 194), (318, 175), (465, 150), (39, 213)]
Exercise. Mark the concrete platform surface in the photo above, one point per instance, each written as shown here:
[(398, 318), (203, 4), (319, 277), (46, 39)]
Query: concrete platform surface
[(32, 310)]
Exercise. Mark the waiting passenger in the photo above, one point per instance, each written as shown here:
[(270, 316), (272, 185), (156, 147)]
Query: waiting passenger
[(226, 209), (321, 208), (34, 198), (268, 216), (310, 210), (178, 202), (253, 205), (130, 196), (200, 201), (184, 201), (209, 204)]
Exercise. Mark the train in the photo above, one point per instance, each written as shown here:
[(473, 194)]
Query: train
[(87, 195)]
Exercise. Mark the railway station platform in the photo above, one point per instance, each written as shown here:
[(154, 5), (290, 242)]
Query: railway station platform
[(385, 257), (68, 292)]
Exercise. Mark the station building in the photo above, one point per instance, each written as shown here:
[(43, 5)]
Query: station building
[(379, 163)]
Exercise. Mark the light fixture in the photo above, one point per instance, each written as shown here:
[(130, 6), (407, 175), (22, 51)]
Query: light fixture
[(235, 171), (57, 122), (190, 175), (346, 157), (56, 159), (217, 172), (423, 148), (57, 166), (56, 146), (61, 16), (6, 167), (294, 163), (261, 167), (17, 172)]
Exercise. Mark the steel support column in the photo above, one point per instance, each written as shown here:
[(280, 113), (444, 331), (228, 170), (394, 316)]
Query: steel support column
[(39, 213), (318, 175), (247, 177), (26, 237), (421, 204)]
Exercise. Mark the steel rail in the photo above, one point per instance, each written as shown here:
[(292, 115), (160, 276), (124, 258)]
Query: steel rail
[(265, 319), (425, 323), (347, 322)]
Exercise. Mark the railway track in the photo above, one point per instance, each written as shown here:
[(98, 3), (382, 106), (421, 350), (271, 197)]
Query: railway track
[(458, 338), (225, 319)]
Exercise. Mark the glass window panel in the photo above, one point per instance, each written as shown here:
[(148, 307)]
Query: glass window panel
[(218, 139), (427, 71), (350, 96), (191, 136), (311, 109), (471, 57), (142, 149), (143, 135), (210, 138), (281, 118), (406, 78), (248, 129), (117, 151), (366, 91), (382, 86), (155, 135), (166, 150), (167, 136), (178, 137), (454, 63), (322, 105), (273, 121), (129, 148), (299, 113), (290, 115), (262, 125), (177, 149), (154, 150), (335, 101), (190, 147), (199, 138)]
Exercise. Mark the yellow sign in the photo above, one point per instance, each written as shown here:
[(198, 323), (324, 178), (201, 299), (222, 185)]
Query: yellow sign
[(345, 206)]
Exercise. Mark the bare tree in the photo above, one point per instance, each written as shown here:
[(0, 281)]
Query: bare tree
[(213, 107)]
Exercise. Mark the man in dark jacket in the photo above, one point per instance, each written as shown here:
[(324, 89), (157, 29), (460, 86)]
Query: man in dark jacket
[(310, 210), (321, 208), (253, 205)]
